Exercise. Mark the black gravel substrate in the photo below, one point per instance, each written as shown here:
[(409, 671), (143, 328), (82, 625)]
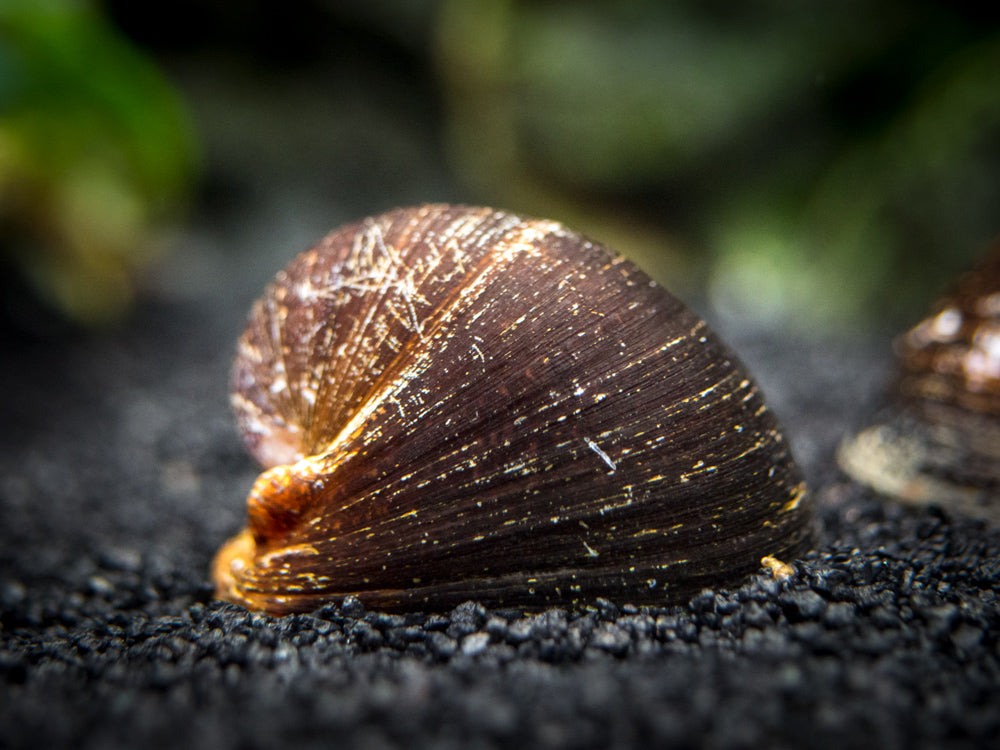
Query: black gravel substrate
[(120, 474)]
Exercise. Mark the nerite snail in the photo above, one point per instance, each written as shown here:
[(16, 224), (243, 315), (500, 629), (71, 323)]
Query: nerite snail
[(939, 441), (459, 403)]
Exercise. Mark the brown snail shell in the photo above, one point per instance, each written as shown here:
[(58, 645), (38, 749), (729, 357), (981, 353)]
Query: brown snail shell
[(939, 442), (459, 403)]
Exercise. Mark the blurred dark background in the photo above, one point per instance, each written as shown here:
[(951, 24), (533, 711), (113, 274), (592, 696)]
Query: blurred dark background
[(820, 166)]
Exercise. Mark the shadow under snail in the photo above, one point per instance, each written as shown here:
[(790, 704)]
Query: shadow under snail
[(938, 442), (459, 403)]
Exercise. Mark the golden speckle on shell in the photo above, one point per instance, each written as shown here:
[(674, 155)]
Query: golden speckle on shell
[(458, 403)]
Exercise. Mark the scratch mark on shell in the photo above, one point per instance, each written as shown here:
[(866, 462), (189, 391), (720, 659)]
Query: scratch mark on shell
[(601, 454)]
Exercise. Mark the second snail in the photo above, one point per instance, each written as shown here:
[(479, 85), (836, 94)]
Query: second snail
[(938, 442), (457, 403)]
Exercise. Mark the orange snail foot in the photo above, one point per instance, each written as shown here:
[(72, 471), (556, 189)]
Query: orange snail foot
[(274, 506), (236, 554)]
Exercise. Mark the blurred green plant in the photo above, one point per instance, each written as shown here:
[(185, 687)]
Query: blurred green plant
[(832, 161), (95, 149)]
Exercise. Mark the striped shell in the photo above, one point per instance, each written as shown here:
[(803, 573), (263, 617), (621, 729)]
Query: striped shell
[(458, 403), (939, 442)]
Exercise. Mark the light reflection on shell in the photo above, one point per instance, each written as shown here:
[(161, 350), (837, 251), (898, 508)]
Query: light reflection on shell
[(457, 403)]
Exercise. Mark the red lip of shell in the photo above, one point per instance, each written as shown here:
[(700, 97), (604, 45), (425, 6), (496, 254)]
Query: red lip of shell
[(465, 404)]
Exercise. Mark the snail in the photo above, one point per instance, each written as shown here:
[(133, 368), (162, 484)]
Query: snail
[(459, 403), (939, 441)]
